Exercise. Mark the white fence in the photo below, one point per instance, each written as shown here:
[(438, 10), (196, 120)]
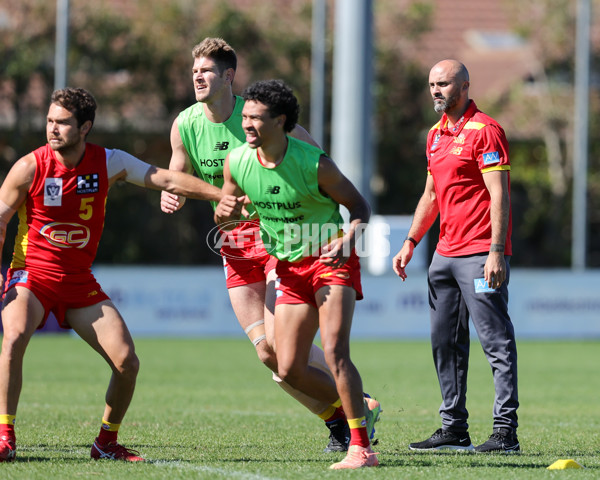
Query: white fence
[(175, 301)]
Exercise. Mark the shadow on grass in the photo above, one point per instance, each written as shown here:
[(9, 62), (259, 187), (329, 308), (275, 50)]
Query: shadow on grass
[(73, 453), (79, 454), (424, 463), (472, 460)]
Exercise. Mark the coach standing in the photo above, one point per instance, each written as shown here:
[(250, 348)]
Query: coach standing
[(468, 185)]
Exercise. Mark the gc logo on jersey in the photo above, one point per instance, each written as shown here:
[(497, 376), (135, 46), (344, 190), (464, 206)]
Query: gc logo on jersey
[(66, 235), (53, 188)]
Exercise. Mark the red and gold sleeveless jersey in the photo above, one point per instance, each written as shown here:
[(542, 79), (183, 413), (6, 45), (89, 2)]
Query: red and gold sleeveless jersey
[(61, 221)]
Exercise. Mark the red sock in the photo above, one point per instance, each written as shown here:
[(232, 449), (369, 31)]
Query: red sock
[(338, 414), (359, 436), (105, 437)]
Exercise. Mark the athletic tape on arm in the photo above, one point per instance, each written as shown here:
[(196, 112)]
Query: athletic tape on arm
[(259, 332)]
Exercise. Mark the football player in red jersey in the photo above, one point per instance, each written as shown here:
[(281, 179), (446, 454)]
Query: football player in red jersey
[(60, 193)]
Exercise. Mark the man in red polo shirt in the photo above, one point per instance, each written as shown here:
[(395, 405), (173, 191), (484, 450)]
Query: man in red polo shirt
[(468, 185)]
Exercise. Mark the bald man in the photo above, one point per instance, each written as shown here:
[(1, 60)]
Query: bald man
[(468, 186)]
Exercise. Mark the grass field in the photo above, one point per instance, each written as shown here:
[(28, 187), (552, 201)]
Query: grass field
[(206, 408)]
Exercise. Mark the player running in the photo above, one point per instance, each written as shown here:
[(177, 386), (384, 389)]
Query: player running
[(201, 137), (297, 191)]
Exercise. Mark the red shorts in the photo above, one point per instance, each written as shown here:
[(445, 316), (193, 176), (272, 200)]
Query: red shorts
[(244, 257), (57, 292), (297, 282)]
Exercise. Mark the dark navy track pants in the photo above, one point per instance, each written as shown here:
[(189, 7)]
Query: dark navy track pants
[(457, 292)]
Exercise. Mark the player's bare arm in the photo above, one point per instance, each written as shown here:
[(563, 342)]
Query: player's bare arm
[(334, 184), (13, 193), (496, 183), (230, 207), (182, 184), (126, 167), (425, 214), (6, 213), (300, 133), (18, 181), (180, 161)]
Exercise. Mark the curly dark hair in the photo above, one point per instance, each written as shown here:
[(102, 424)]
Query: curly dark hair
[(279, 99), (78, 101)]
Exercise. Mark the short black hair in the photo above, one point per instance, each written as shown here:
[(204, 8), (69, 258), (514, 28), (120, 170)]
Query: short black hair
[(78, 101), (279, 99)]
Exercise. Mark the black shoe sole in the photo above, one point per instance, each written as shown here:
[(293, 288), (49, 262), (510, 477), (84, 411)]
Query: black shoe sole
[(500, 451), (444, 448), (334, 450)]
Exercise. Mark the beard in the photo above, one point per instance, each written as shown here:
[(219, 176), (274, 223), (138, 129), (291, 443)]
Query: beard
[(64, 145), (443, 104)]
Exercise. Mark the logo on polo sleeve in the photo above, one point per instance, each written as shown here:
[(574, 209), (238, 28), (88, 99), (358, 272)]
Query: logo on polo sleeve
[(491, 157)]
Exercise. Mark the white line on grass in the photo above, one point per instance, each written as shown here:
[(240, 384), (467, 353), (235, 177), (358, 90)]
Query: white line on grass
[(204, 468)]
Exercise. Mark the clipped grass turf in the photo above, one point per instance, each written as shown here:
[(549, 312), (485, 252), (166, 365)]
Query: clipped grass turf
[(207, 409)]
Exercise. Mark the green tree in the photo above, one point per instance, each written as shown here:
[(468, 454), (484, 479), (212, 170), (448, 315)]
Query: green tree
[(135, 57), (543, 173), (27, 62)]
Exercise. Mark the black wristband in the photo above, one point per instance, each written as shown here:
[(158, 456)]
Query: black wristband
[(411, 240)]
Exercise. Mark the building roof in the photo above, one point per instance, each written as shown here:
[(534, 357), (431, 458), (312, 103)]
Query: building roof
[(479, 34)]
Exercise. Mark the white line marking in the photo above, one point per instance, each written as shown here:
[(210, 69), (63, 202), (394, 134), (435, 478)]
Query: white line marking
[(204, 468)]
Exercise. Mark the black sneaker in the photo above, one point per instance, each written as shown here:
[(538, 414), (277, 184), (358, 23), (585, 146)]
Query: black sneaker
[(444, 440), (503, 440), (339, 436)]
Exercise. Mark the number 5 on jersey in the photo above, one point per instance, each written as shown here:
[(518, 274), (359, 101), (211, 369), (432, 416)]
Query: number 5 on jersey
[(85, 209)]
